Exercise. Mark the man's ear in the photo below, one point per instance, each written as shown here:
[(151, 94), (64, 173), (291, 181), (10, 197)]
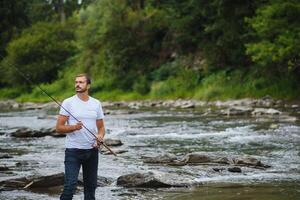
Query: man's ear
[(89, 86)]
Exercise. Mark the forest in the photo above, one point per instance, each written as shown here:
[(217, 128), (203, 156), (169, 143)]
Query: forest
[(151, 49)]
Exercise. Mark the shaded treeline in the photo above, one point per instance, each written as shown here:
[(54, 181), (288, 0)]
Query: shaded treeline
[(153, 48)]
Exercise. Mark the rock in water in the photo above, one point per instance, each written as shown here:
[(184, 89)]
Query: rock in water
[(250, 162), (101, 181), (113, 142), (166, 158), (145, 180), (34, 182), (5, 155), (27, 132), (235, 169), (195, 158)]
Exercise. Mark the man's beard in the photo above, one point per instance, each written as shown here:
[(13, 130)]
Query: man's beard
[(81, 90)]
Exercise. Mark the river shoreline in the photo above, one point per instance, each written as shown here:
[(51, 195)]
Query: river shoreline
[(178, 103)]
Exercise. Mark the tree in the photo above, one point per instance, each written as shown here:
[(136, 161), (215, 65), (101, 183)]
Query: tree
[(276, 29), (40, 51), (119, 41), (13, 19)]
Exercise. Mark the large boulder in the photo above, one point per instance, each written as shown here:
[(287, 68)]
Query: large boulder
[(101, 181), (33, 182), (25, 132), (200, 158), (39, 182), (146, 180)]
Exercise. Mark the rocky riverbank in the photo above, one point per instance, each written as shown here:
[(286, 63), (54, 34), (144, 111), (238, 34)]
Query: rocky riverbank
[(264, 108), (266, 102)]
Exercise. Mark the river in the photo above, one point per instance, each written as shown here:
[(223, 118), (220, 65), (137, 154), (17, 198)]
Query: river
[(152, 132)]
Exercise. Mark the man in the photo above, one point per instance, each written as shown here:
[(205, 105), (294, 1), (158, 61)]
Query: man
[(81, 146)]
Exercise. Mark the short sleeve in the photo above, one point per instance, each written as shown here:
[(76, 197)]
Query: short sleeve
[(64, 106), (100, 114)]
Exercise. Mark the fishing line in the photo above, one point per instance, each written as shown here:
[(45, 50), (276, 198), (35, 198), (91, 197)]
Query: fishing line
[(47, 94)]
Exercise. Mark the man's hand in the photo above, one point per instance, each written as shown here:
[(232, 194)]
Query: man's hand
[(78, 126), (98, 142)]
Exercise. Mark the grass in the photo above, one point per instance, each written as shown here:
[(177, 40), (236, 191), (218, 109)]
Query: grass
[(218, 86)]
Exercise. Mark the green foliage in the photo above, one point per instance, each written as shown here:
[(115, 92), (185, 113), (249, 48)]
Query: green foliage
[(216, 28), (277, 37), (180, 86), (165, 71), (11, 93), (40, 52), (120, 42), (13, 19), (151, 49), (238, 84), (142, 85)]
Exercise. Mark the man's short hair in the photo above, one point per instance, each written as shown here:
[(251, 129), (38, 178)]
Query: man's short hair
[(88, 79)]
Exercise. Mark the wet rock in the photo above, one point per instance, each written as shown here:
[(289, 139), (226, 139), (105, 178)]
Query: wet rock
[(113, 142), (44, 116), (55, 134), (264, 111), (166, 158), (217, 169), (200, 158), (101, 181), (27, 132), (234, 169), (5, 155), (9, 105), (187, 105), (274, 126), (23, 132), (135, 105), (144, 180), (47, 181), (193, 158), (31, 106), (237, 111), (250, 162), (33, 182), (117, 151), (222, 160), (4, 168), (286, 118)]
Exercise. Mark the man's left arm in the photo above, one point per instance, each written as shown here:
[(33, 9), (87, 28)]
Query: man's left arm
[(101, 129)]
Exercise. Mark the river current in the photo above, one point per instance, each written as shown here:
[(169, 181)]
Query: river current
[(156, 132)]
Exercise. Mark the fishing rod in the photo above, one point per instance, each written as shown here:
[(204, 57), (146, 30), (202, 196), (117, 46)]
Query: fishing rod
[(53, 99)]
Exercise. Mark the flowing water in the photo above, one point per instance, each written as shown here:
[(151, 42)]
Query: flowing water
[(156, 132)]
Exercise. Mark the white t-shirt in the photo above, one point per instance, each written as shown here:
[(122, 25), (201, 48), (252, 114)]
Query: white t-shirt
[(87, 112)]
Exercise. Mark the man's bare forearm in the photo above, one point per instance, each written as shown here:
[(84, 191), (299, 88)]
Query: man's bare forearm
[(101, 133), (65, 128)]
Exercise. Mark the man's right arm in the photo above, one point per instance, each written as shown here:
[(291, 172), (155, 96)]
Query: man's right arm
[(61, 126)]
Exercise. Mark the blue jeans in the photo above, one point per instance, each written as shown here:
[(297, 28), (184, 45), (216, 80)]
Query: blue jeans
[(74, 158)]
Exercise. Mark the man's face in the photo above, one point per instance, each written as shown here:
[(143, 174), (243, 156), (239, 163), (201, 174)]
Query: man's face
[(81, 84)]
